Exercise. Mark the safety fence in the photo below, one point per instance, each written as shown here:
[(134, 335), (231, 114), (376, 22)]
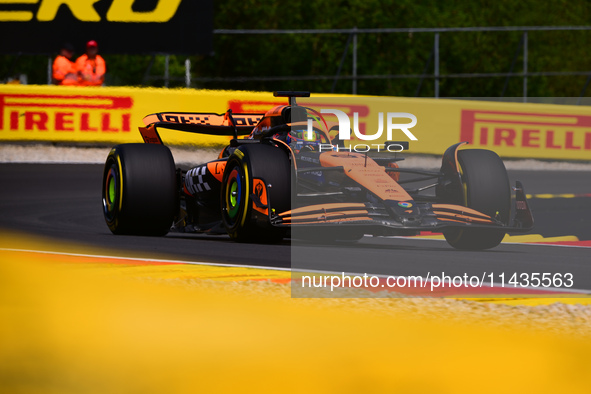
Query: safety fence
[(428, 75), (431, 70)]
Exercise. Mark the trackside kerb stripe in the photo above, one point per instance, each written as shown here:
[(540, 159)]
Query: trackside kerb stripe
[(535, 239), (549, 290), (551, 196)]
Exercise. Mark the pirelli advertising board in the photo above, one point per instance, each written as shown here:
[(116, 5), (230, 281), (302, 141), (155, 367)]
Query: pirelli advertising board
[(119, 26), (112, 115)]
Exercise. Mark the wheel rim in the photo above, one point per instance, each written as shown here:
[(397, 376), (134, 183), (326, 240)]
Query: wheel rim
[(111, 193), (112, 190), (233, 195)]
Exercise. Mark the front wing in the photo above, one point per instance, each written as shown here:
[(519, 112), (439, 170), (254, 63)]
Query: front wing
[(394, 219)]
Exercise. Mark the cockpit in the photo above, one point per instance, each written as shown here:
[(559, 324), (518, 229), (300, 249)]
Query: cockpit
[(300, 138)]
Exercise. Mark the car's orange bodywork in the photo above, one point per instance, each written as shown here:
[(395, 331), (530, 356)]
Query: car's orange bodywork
[(388, 204)]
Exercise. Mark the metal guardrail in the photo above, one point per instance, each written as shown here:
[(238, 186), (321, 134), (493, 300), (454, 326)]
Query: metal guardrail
[(398, 30), (435, 75)]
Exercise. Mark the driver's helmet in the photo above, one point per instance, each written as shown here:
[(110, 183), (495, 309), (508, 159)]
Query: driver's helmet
[(300, 139)]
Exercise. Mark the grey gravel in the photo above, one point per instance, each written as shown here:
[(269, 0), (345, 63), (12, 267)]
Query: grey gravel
[(186, 156)]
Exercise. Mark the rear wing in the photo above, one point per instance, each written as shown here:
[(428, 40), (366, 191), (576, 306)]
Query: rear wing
[(226, 124)]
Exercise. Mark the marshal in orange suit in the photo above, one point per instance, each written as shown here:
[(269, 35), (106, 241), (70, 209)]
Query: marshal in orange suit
[(91, 66)]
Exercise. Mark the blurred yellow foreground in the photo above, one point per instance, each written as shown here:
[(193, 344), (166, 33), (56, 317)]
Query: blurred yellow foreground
[(66, 329)]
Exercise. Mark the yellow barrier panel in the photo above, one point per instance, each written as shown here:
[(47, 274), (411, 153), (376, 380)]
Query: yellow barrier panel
[(103, 115), (111, 115), (518, 130)]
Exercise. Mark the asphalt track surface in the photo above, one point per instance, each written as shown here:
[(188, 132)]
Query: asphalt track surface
[(63, 201)]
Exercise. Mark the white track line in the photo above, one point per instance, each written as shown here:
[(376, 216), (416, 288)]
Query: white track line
[(549, 289), (145, 259)]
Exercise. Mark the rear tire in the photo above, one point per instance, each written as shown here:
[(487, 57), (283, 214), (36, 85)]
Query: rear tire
[(139, 190), (242, 222), (486, 189)]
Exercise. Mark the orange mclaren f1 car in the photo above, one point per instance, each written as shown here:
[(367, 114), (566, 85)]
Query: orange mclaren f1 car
[(288, 178)]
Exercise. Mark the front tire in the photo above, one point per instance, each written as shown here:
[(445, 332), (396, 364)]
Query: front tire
[(139, 190), (486, 189), (242, 221)]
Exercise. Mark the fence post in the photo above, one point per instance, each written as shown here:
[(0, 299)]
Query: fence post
[(513, 62), (188, 72), (424, 73), (49, 70), (166, 74), (336, 77), (436, 71), (355, 61), (584, 89), (525, 66)]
